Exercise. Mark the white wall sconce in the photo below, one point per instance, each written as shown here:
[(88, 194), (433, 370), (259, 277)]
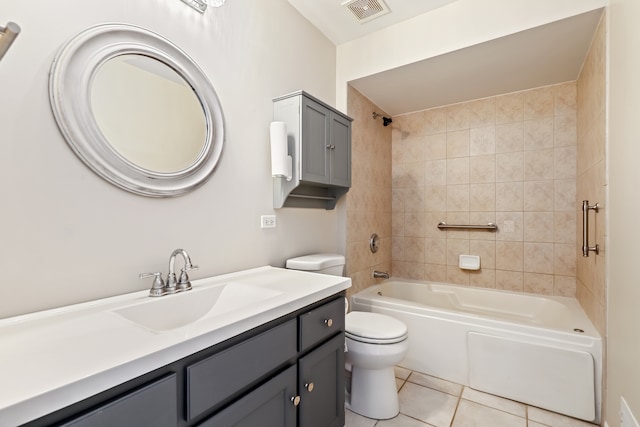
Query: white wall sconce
[(201, 5), (7, 35), (281, 161)]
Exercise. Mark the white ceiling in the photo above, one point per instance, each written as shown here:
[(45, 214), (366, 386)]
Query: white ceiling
[(540, 56), (340, 25)]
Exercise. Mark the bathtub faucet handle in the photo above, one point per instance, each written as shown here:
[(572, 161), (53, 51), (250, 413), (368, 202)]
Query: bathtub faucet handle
[(380, 274)]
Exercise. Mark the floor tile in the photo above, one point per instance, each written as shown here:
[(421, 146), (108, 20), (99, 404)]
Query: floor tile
[(428, 405), (553, 419), (427, 401), (402, 373), (471, 414), (355, 420), (401, 421), (506, 405), (435, 383)]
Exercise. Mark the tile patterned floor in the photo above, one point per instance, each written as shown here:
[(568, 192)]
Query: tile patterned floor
[(427, 401)]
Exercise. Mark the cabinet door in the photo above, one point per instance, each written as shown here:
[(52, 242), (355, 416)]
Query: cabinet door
[(315, 136), (321, 385), (153, 405), (270, 405), (340, 151)]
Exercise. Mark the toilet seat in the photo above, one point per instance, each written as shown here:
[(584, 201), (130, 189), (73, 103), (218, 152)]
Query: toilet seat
[(374, 328)]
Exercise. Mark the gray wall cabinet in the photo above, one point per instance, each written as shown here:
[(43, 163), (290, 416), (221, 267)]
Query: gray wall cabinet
[(287, 373), (319, 141)]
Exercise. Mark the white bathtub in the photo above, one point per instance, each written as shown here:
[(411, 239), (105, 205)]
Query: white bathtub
[(535, 349)]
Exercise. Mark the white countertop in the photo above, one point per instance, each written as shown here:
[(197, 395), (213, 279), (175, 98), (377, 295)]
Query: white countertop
[(54, 358)]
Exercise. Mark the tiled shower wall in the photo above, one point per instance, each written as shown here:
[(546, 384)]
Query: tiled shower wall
[(369, 199), (591, 283), (510, 160)]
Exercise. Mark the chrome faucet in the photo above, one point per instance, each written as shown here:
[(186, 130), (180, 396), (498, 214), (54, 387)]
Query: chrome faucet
[(183, 284), (159, 288), (380, 274)]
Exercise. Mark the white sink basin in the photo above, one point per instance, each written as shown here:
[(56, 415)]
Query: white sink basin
[(184, 308)]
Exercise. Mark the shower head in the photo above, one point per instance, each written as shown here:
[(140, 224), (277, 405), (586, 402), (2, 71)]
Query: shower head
[(386, 121)]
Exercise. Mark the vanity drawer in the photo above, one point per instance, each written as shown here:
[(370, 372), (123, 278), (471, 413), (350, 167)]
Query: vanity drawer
[(212, 380), (155, 404), (321, 323)]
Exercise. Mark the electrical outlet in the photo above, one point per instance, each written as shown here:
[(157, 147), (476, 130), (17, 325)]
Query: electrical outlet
[(267, 221), (626, 417)]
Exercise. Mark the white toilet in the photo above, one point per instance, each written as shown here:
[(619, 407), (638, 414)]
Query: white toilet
[(375, 344)]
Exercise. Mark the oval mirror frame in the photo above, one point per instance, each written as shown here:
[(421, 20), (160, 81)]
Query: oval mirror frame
[(70, 83)]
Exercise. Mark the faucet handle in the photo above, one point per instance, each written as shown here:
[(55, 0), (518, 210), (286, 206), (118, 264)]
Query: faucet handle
[(184, 284), (157, 289)]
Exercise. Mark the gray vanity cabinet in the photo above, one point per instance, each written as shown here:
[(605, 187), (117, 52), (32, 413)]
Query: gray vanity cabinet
[(286, 373)]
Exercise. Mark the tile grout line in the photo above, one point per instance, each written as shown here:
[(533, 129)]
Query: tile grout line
[(455, 412)]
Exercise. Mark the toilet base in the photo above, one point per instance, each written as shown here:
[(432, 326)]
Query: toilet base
[(373, 393)]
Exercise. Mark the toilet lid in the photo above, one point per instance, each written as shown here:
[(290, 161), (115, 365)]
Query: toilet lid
[(374, 328)]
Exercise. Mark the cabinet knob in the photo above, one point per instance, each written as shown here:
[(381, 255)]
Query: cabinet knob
[(309, 387), (328, 322), (295, 400), (331, 147)]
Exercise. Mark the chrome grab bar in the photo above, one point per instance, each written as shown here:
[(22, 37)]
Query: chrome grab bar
[(585, 228), (490, 226)]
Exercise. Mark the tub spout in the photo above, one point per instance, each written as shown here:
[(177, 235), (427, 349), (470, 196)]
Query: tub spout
[(380, 274)]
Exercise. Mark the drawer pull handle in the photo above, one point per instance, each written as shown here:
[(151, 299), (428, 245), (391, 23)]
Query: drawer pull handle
[(309, 387), (295, 400), (328, 322)]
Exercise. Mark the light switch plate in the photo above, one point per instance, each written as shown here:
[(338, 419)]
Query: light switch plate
[(267, 221)]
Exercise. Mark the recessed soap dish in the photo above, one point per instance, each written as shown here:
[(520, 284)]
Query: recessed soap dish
[(469, 262)]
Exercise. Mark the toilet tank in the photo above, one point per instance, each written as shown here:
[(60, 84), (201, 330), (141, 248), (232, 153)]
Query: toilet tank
[(332, 264)]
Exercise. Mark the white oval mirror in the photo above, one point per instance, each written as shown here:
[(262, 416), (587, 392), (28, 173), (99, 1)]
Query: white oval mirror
[(137, 110)]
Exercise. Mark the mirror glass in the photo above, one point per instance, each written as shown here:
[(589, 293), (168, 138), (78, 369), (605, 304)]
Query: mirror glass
[(148, 113), (137, 110)]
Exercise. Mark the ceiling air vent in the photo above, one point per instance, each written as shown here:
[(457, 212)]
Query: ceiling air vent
[(366, 10)]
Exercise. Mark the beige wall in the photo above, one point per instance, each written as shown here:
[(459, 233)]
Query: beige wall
[(623, 313), (69, 236), (591, 183), (509, 160), (369, 200)]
